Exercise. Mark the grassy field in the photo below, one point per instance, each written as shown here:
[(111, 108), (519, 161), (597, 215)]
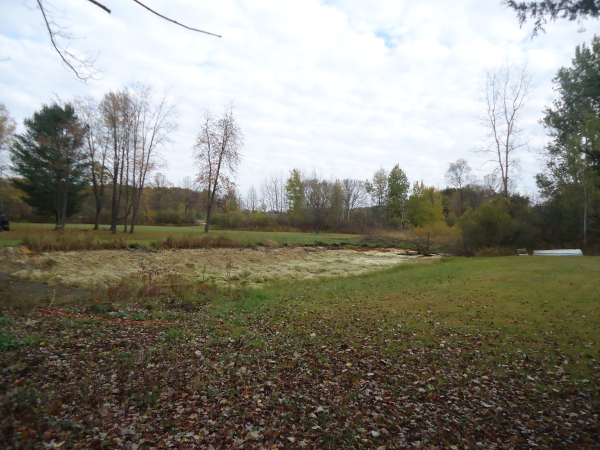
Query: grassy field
[(451, 354), (146, 235)]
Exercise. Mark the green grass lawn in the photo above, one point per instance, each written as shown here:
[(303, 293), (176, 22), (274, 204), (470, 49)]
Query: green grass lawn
[(457, 353), (145, 235), (540, 302)]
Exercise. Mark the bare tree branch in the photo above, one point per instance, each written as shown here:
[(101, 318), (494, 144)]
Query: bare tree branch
[(84, 65), (173, 21), (100, 5), (81, 66)]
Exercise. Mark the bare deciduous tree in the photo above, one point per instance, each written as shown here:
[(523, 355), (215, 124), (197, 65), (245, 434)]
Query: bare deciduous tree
[(96, 149), (318, 194), (354, 193), (190, 193), (218, 153), (252, 199), (160, 185), (505, 95), (81, 65), (160, 181), (7, 129), (272, 191), (377, 189), (137, 125), (459, 176), (153, 123), (188, 183), (112, 108)]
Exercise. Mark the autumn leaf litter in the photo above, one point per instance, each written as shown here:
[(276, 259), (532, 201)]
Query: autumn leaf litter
[(279, 381)]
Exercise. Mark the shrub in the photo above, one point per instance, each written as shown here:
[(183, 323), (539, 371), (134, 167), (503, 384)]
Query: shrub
[(259, 219), (489, 226), (229, 220), (395, 223), (496, 251), (441, 236), (165, 217)]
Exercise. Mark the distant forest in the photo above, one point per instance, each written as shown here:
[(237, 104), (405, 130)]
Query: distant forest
[(98, 162)]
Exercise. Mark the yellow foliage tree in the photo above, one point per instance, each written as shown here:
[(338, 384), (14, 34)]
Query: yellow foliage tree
[(424, 205)]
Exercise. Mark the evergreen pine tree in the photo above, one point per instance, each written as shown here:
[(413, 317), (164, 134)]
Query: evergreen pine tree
[(49, 162)]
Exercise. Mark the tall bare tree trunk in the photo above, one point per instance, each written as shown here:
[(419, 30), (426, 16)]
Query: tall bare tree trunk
[(505, 95), (115, 206), (208, 214), (217, 154)]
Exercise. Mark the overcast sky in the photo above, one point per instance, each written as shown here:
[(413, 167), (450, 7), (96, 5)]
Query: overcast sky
[(344, 87)]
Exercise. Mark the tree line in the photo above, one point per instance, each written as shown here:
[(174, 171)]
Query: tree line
[(110, 150), (111, 144), (489, 212)]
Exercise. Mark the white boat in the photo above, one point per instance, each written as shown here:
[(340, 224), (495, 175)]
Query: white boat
[(564, 252)]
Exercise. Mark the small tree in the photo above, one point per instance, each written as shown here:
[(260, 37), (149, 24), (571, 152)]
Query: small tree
[(377, 189), (459, 177), (354, 194), (218, 153), (337, 202), (318, 198), (189, 193), (49, 159), (397, 193), (273, 193), (231, 201), (252, 199), (294, 191), (425, 205)]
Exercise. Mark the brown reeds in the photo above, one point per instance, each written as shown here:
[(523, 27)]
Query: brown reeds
[(191, 242), (69, 241), (54, 241)]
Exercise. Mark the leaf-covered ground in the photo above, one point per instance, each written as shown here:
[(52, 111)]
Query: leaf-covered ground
[(377, 361)]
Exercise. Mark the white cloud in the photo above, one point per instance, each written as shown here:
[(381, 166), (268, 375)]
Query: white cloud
[(343, 86)]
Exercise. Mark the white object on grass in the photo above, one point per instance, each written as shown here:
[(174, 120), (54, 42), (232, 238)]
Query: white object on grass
[(564, 252)]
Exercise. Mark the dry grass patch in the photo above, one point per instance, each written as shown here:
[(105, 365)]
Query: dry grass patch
[(70, 240), (105, 268)]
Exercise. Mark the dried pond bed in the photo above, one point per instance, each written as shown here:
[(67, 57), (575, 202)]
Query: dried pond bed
[(102, 268)]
